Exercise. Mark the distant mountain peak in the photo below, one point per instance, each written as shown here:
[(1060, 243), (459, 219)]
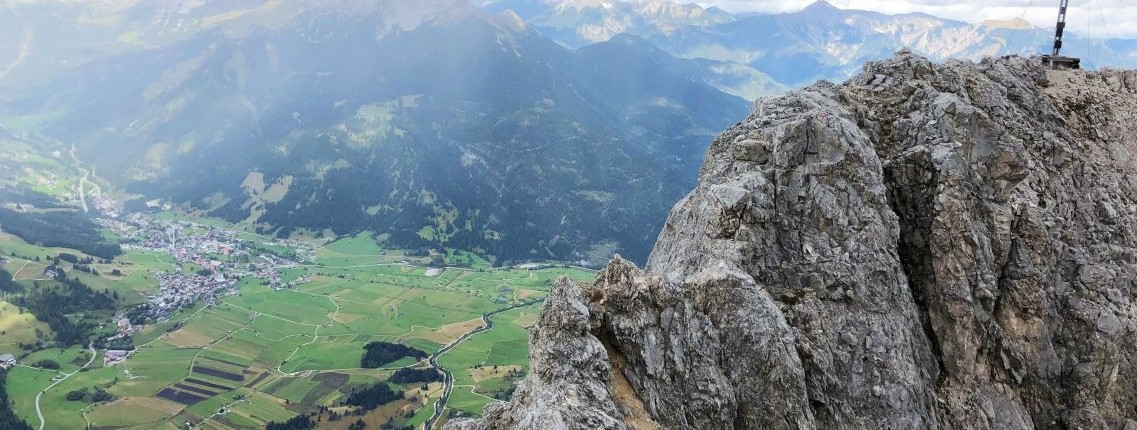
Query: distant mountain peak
[(510, 20), (682, 12), (585, 4), (821, 6)]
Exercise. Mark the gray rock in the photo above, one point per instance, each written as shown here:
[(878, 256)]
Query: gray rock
[(925, 246), (567, 388)]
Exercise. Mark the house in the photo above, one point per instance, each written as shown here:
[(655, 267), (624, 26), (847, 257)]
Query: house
[(54, 273), (7, 361), (115, 356)]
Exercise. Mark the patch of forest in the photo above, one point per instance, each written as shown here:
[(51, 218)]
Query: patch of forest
[(63, 229), (372, 396), (56, 303), (377, 354), (36, 199), (413, 376)]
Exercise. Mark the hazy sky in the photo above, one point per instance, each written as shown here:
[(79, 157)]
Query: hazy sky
[(1102, 18)]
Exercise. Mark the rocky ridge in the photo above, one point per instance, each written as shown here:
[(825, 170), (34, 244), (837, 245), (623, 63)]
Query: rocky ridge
[(925, 246)]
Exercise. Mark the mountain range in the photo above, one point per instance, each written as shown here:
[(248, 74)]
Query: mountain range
[(519, 129), (433, 124), (820, 41)]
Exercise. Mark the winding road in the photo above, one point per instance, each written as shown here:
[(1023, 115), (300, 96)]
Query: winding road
[(39, 413), (447, 377)]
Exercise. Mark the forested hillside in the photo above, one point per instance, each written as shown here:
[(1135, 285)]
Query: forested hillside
[(435, 125)]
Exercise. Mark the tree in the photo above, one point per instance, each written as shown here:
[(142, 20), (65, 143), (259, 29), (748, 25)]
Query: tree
[(359, 424), (437, 261), (76, 395)]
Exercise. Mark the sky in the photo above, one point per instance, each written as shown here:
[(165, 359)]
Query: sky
[(1098, 18)]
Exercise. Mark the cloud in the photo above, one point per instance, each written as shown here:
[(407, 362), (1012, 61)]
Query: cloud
[(1096, 18)]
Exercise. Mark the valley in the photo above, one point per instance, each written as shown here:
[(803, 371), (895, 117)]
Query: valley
[(241, 330), (362, 214)]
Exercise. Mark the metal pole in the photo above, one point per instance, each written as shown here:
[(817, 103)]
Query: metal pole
[(1060, 27)]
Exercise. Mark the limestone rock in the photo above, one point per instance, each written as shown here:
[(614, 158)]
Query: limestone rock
[(925, 246)]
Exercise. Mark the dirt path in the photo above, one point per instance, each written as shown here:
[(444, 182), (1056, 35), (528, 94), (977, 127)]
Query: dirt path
[(39, 413)]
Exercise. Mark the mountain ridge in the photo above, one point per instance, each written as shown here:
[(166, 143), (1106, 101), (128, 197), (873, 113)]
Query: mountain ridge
[(820, 41), (467, 134), (924, 246)]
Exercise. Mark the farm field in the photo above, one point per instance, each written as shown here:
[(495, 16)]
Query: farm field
[(266, 354), (487, 365)]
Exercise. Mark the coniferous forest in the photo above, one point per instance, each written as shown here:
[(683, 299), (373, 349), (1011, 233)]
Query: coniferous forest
[(376, 354), (64, 229), (59, 305)]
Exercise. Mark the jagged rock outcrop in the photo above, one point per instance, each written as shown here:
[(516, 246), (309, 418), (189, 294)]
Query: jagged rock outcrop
[(925, 246)]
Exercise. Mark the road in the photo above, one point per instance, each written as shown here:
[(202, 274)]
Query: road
[(83, 190), (84, 180), (39, 413), (447, 377)]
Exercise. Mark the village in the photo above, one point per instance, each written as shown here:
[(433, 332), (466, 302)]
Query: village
[(211, 261)]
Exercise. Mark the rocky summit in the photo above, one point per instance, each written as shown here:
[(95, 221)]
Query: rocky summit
[(938, 246)]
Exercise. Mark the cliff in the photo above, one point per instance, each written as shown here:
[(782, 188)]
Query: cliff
[(925, 246)]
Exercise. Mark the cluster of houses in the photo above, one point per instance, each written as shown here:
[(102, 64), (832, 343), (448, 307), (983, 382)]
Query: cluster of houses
[(222, 255), (123, 228), (110, 358), (124, 329), (53, 272), (7, 361), (179, 290), (267, 267), (115, 356), (108, 207)]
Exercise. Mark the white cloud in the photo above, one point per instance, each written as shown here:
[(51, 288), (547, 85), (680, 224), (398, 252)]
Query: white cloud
[(1097, 18)]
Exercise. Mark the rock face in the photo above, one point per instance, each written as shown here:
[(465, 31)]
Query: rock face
[(925, 246)]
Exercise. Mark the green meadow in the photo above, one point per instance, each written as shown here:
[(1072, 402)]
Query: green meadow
[(481, 364), (265, 355)]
